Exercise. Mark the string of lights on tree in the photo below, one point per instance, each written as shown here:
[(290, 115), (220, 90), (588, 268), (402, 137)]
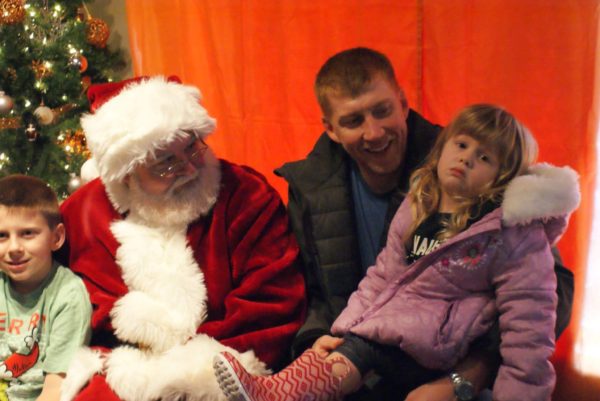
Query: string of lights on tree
[(50, 53)]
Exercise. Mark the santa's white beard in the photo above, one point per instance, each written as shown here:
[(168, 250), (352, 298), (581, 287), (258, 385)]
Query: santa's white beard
[(188, 198)]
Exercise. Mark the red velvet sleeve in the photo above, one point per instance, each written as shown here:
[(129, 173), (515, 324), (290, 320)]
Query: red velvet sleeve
[(262, 303)]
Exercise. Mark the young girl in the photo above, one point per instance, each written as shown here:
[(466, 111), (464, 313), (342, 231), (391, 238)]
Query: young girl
[(470, 244)]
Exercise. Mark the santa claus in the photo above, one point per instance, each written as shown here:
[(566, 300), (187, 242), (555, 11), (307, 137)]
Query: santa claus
[(184, 255)]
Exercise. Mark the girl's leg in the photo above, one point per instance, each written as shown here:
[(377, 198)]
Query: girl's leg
[(310, 377), (396, 372), (344, 370)]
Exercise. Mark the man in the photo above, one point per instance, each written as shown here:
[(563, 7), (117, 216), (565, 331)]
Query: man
[(342, 198), (183, 255)]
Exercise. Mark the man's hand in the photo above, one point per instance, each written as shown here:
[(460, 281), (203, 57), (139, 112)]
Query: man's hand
[(325, 344), (478, 367), (438, 390)]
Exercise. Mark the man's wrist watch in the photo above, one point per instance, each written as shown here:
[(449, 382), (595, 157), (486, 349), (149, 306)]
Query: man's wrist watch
[(463, 389)]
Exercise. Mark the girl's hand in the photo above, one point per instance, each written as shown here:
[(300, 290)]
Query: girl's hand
[(325, 344)]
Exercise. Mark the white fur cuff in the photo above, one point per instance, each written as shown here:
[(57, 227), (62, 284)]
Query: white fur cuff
[(145, 321), (184, 371), (85, 364)]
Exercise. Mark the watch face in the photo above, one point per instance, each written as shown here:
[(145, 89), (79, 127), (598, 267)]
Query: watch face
[(464, 391)]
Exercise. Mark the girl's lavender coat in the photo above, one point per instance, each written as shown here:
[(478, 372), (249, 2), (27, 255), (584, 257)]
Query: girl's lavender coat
[(502, 265)]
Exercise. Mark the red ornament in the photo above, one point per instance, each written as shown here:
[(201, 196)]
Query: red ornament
[(85, 83), (83, 63)]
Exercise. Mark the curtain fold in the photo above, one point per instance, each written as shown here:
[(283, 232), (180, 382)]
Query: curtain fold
[(255, 62)]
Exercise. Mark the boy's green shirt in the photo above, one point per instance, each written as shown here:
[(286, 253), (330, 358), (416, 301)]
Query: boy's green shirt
[(40, 331)]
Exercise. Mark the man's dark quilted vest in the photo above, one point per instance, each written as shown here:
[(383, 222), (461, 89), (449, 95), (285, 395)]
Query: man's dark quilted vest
[(326, 229)]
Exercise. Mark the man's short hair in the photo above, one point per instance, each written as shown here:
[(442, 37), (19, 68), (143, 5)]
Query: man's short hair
[(25, 192), (349, 72)]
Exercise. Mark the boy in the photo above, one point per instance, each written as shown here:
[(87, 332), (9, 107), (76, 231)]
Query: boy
[(44, 308)]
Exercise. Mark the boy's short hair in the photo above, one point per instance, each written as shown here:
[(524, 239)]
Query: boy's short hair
[(348, 73), (25, 192)]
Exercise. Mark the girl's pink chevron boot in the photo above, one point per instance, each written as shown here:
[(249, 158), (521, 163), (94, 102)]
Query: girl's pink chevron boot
[(308, 378)]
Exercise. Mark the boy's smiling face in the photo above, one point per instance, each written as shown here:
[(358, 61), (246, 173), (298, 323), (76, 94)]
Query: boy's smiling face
[(26, 245)]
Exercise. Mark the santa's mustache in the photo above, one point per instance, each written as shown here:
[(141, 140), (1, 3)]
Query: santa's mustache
[(181, 181)]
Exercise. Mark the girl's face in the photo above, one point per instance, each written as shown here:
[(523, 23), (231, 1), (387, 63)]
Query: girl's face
[(466, 167)]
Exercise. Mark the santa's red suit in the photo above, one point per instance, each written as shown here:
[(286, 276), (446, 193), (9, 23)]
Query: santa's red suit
[(253, 290)]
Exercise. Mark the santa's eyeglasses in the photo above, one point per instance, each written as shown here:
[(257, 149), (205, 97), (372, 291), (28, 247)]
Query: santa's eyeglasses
[(170, 166)]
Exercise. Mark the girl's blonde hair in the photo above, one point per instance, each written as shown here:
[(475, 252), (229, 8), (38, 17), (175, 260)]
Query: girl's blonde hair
[(496, 129)]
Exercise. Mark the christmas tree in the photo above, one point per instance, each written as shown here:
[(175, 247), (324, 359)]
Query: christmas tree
[(50, 53)]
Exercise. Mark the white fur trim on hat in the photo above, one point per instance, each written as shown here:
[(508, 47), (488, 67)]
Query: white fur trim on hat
[(143, 117), (89, 171)]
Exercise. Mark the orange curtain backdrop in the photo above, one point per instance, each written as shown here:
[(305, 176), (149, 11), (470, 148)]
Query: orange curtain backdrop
[(255, 61)]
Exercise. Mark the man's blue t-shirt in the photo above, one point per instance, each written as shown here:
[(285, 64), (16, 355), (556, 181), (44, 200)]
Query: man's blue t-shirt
[(370, 210)]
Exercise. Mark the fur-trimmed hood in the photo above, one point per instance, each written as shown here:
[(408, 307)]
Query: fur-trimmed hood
[(546, 191)]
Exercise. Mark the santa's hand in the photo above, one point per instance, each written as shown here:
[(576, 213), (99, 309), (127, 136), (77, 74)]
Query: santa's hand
[(140, 319)]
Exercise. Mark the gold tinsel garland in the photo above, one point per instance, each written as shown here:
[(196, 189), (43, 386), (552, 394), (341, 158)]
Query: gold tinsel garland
[(11, 73), (74, 142), (10, 122), (15, 122), (40, 69)]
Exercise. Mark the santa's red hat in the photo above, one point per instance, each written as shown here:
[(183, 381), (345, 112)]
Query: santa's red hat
[(134, 118), (98, 94)]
